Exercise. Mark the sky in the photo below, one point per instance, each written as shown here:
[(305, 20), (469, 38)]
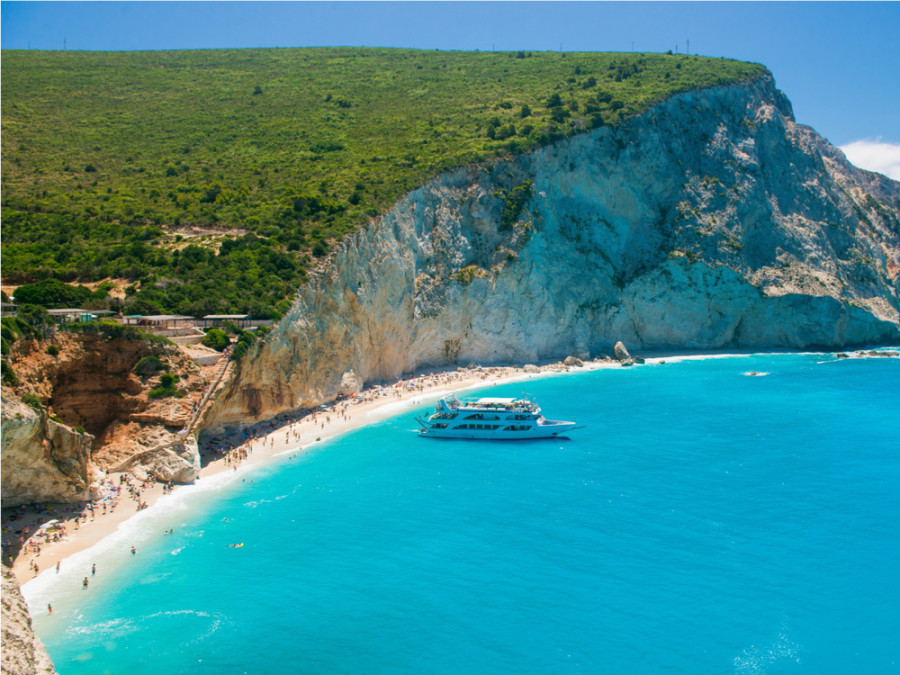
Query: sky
[(838, 62)]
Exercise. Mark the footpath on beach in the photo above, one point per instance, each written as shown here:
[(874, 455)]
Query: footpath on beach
[(46, 535)]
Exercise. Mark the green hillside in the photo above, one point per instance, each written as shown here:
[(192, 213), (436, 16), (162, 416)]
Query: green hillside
[(208, 178)]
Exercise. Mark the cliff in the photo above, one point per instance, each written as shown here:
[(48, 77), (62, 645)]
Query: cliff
[(92, 384), (713, 220), (23, 652), (43, 460)]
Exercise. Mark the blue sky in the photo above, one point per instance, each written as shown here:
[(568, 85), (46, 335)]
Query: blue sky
[(838, 62)]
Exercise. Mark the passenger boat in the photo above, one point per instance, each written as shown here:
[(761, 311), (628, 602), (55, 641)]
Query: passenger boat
[(493, 419)]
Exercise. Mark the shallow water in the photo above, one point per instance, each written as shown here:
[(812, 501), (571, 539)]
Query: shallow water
[(704, 521)]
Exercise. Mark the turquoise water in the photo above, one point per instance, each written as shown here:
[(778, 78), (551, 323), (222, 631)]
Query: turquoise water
[(704, 521)]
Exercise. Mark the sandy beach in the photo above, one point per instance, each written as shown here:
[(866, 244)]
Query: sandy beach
[(46, 537)]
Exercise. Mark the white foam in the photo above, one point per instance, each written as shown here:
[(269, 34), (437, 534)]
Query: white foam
[(289, 451), (114, 548)]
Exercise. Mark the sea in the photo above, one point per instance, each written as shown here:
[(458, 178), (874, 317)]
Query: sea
[(734, 514)]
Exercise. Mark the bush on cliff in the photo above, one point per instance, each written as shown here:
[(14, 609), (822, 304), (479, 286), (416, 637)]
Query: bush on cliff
[(166, 387), (148, 365), (33, 401), (244, 340)]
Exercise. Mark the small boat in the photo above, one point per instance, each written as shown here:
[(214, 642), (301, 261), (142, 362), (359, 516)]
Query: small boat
[(494, 419)]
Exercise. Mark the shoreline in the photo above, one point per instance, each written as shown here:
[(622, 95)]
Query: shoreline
[(275, 437), (84, 529)]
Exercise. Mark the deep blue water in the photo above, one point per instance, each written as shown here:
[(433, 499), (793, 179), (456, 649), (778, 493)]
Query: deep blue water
[(704, 521)]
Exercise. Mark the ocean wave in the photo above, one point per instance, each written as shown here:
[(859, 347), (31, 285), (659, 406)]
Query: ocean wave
[(113, 628), (757, 660)]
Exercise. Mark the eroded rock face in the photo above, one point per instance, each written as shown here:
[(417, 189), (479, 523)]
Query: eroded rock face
[(43, 461), (91, 383), (711, 221), (23, 652), (176, 463)]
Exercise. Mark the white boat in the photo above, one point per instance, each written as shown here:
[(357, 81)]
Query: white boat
[(492, 419)]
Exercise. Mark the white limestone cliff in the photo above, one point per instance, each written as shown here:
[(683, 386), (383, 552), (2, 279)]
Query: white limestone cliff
[(713, 220), (23, 652), (43, 460)]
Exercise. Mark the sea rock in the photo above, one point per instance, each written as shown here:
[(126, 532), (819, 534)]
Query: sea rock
[(621, 352), (712, 221), (573, 361), (23, 653)]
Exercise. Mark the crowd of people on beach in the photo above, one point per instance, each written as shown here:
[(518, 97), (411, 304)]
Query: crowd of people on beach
[(33, 537), (233, 446)]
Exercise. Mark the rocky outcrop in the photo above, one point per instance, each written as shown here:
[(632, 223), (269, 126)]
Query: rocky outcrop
[(23, 652), (94, 411), (43, 460), (621, 352), (177, 462), (713, 220)]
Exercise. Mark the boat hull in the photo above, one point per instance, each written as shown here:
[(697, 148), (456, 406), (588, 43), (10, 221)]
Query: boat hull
[(542, 431)]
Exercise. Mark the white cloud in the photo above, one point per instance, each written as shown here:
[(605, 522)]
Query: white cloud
[(874, 155)]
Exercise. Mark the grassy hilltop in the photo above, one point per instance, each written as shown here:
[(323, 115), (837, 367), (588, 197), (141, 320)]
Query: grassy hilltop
[(112, 161)]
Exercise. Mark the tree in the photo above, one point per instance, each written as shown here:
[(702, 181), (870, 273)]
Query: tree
[(35, 318), (52, 293)]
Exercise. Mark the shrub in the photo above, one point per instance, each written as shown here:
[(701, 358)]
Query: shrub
[(148, 365), (33, 321), (245, 339), (168, 379), (166, 387), (514, 201), (52, 350), (33, 401), (216, 338), (8, 374)]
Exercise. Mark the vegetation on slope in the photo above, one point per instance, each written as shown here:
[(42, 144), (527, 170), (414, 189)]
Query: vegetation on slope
[(209, 178)]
